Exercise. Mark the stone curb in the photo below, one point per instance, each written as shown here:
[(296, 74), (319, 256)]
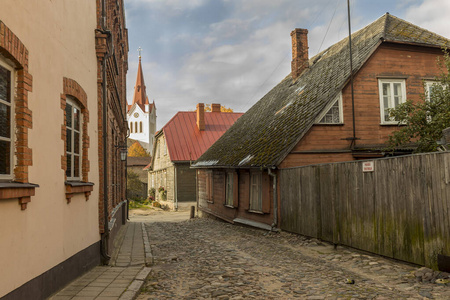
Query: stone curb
[(147, 249), (134, 288)]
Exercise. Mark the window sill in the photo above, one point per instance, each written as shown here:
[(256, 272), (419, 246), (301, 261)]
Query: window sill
[(209, 201), (78, 187), (255, 212), (21, 191), (229, 206), (392, 124)]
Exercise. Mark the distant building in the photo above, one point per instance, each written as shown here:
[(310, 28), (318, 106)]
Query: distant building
[(141, 114), (181, 141)]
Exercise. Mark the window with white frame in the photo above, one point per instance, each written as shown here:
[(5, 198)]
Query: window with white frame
[(6, 121), (140, 127), (332, 113), (73, 139), (255, 191), (229, 191), (430, 86), (392, 93), (131, 127)]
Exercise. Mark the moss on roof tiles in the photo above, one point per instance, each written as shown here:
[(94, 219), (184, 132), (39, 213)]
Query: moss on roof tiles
[(276, 123)]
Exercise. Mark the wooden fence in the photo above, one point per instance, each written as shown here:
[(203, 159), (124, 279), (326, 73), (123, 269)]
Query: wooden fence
[(400, 209)]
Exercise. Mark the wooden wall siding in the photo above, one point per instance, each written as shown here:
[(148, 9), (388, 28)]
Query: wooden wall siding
[(412, 63), (201, 189), (185, 182), (218, 208), (219, 187), (401, 210)]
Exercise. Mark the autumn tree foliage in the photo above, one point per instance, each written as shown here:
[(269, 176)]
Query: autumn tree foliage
[(222, 108), (422, 123), (136, 150)]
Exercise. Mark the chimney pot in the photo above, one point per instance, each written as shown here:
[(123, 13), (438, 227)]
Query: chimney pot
[(300, 59), (201, 116), (215, 107)]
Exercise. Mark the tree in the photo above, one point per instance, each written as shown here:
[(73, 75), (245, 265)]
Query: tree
[(222, 108), (136, 150), (422, 122), (134, 186)]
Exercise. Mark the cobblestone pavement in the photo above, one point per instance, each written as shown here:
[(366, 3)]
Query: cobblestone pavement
[(205, 258)]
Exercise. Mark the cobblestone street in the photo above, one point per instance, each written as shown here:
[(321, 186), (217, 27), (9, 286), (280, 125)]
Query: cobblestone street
[(205, 258)]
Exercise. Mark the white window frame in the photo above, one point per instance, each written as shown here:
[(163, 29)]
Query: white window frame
[(338, 99), (11, 139), (256, 200), (427, 85), (229, 188), (391, 83), (71, 101)]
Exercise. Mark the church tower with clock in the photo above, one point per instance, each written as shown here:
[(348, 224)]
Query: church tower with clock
[(141, 114)]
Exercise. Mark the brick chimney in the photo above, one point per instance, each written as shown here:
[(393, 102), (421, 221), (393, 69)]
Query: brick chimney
[(201, 116), (215, 107), (299, 52)]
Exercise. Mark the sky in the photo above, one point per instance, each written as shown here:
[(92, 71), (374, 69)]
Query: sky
[(233, 52)]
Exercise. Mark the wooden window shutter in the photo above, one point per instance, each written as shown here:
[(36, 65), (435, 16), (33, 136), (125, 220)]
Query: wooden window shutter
[(265, 185), (235, 189)]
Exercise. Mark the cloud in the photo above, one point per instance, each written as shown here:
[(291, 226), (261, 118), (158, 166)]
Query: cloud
[(432, 15), (234, 51)]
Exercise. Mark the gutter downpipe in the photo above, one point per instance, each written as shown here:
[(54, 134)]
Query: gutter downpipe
[(105, 235), (275, 198)]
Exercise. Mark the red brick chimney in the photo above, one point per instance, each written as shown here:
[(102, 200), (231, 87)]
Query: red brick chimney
[(201, 116), (299, 52), (215, 107)]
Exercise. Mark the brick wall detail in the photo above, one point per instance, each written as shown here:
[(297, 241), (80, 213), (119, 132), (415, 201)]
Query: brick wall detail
[(72, 88), (12, 48)]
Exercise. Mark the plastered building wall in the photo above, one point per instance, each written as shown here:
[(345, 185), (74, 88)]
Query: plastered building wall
[(51, 230)]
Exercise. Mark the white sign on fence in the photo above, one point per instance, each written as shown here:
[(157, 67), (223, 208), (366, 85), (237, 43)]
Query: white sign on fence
[(368, 166)]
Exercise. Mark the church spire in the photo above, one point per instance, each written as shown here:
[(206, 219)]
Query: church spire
[(140, 95)]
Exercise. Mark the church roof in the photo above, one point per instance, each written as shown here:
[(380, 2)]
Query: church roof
[(270, 129), (140, 94)]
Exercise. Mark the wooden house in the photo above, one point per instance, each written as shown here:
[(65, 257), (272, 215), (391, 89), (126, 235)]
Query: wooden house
[(179, 143), (308, 118)]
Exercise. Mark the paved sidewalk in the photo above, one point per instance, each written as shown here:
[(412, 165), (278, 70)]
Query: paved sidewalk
[(123, 278)]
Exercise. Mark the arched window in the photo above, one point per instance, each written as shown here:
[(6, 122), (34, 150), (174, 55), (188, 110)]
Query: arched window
[(135, 127), (140, 127), (131, 127)]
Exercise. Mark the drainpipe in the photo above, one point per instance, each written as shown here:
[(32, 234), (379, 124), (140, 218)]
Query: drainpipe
[(105, 235), (275, 196)]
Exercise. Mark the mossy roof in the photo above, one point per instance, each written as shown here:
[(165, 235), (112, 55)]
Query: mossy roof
[(270, 129)]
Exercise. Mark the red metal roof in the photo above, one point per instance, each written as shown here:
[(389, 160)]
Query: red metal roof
[(185, 142)]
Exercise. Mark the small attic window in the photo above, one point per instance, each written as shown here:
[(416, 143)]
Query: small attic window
[(332, 114)]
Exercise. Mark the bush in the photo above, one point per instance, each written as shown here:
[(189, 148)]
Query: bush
[(152, 193), (156, 204)]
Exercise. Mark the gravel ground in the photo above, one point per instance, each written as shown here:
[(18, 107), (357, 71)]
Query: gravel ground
[(206, 258)]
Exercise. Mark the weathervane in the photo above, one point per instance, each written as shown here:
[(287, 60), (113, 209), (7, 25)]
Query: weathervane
[(139, 50)]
